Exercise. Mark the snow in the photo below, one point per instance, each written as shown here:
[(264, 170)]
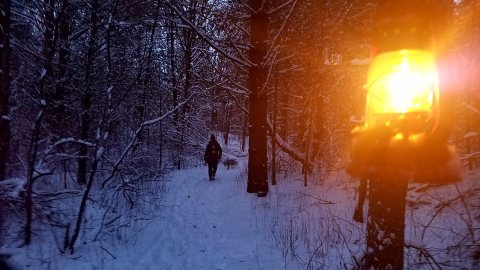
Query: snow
[(12, 187), (43, 74), (470, 134), (360, 62), (355, 120), (205, 224), (204, 227)]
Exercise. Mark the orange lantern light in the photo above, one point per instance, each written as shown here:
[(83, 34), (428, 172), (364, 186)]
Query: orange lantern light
[(403, 91), (403, 131)]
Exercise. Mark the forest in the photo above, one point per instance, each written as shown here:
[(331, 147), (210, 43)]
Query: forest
[(102, 100)]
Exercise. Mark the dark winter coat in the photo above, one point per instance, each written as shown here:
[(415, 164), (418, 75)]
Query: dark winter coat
[(213, 153)]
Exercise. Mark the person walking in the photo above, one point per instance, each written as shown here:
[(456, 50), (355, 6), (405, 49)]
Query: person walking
[(213, 154)]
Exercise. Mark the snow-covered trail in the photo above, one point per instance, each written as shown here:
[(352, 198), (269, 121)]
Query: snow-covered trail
[(205, 225)]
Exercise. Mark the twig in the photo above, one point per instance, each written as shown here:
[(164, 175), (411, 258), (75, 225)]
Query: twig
[(425, 253), (316, 198), (109, 253)]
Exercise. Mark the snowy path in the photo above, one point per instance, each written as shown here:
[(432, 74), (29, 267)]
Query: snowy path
[(206, 225)]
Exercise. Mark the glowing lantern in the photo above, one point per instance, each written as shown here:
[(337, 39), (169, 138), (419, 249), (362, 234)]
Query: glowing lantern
[(403, 94), (405, 130)]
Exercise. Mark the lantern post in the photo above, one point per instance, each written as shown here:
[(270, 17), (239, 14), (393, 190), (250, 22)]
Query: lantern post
[(399, 140)]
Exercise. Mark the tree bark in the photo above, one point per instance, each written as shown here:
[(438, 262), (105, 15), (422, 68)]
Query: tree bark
[(257, 77), (386, 221), (87, 96), (33, 150), (63, 56), (274, 131), (228, 115), (244, 127), (83, 203), (48, 53), (4, 86), (171, 54)]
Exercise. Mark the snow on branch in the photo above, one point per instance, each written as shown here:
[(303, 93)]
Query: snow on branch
[(137, 133), (158, 119), (470, 156), (207, 39), (360, 62), (229, 90), (12, 188), (273, 44), (68, 140), (471, 108), (285, 146)]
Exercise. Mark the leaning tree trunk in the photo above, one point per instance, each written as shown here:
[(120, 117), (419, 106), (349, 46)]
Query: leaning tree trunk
[(32, 174), (4, 85), (257, 77)]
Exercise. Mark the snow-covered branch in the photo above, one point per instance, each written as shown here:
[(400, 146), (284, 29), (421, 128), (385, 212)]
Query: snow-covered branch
[(274, 41), (285, 146), (207, 39), (67, 140), (137, 133)]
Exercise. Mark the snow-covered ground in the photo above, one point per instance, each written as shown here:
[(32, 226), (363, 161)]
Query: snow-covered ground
[(205, 225), (202, 225), (217, 225)]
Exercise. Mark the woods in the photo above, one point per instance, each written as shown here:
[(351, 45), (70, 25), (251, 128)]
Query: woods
[(101, 100)]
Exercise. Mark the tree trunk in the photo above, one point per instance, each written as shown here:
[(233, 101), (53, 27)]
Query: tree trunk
[(4, 85), (274, 131), (87, 96), (308, 143), (83, 203), (244, 127), (257, 77), (228, 114), (386, 221), (48, 35), (48, 53), (63, 56), (284, 116), (171, 54), (32, 157)]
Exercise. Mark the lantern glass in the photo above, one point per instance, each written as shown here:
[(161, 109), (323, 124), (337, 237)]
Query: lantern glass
[(402, 92)]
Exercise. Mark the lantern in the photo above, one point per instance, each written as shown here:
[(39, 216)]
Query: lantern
[(402, 94), (403, 130)]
